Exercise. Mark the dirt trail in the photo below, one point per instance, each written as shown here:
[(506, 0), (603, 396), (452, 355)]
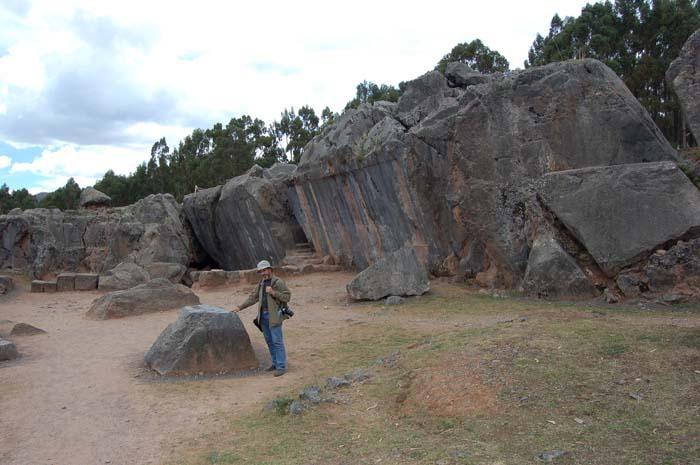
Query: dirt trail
[(80, 395)]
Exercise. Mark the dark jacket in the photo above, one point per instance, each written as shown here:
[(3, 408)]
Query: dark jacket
[(280, 295)]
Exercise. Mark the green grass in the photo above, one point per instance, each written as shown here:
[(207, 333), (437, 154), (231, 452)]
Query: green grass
[(560, 380)]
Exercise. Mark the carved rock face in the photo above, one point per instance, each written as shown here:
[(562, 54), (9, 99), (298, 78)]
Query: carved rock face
[(454, 168)]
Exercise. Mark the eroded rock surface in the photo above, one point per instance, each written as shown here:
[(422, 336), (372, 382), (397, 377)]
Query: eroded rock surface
[(204, 339), (246, 219), (42, 241), (92, 198), (452, 169), (684, 77)]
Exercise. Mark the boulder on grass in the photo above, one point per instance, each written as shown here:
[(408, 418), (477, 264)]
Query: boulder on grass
[(399, 273), (92, 198), (8, 350), (204, 339), (154, 296), (551, 272)]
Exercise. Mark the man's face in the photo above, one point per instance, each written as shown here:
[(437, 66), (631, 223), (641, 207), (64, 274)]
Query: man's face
[(266, 273)]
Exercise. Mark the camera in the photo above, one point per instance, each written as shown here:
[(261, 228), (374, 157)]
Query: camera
[(285, 310)]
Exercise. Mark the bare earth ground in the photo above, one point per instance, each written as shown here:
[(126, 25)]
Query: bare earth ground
[(80, 394)]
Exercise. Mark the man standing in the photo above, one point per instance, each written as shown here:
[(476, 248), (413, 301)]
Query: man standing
[(271, 293)]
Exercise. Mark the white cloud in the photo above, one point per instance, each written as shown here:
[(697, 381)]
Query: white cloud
[(86, 164), (92, 79), (5, 161)]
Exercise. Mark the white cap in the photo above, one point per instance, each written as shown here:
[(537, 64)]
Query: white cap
[(263, 265)]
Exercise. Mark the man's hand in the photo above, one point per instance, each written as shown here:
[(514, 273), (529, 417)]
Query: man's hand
[(269, 290), (236, 310)]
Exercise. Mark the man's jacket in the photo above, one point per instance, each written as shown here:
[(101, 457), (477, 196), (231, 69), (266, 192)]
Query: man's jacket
[(280, 295)]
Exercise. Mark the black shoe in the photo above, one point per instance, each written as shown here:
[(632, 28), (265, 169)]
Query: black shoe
[(271, 368), (280, 372)]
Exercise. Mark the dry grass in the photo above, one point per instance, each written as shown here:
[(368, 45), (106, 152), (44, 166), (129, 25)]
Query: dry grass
[(474, 388)]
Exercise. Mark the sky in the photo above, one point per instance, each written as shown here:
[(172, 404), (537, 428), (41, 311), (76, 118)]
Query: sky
[(90, 85)]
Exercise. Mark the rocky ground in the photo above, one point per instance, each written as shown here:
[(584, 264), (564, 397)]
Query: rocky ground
[(80, 394)]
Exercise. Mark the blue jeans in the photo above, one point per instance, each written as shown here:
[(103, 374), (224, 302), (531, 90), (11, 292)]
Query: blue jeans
[(275, 342)]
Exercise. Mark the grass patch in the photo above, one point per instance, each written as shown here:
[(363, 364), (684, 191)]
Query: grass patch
[(499, 393)]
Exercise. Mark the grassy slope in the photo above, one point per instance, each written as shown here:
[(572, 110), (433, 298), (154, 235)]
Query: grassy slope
[(492, 392)]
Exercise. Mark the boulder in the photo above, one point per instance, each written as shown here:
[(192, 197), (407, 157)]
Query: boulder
[(684, 77), (8, 350), (173, 272), (123, 276), (551, 272), (623, 213), (154, 296), (204, 339), (84, 282), (6, 284), (247, 218), (459, 74), (454, 171), (43, 241), (92, 198), (10, 329), (399, 274)]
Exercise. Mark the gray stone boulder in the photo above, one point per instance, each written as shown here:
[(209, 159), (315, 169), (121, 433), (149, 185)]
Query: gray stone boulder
[(8, 350), (459, 74), (551, 272), (123, 276), (153, 296), (399, 274), (10, 329), (92, 198), (621, 214), (247, 218), (454, 171), (203, 340), (684, 76), (173, 272), (42, 241)]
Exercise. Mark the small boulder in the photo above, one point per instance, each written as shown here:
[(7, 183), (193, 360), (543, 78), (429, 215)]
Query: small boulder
[(173, 272), (8, 350), (85, 282), (123, 276), (459, 74), (204, 339), (311, 394), (551, 272), (10, 328), (394, 300), (92, 198), (399, 273), (334, 382), (154, 296)]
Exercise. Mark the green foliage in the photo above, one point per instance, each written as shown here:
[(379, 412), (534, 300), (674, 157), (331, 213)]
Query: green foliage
[(17, 199), (477, 56), (369, 92), (638, 39), (297, 130), (65, 198)]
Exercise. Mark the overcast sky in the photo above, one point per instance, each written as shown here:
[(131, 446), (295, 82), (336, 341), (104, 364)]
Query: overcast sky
[(87, 86)]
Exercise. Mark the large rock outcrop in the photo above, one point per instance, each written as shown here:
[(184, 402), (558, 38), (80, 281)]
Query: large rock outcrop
[(247, 219), (684, 76), (153, 296), (452, 169), (43, 242), (204, 339)]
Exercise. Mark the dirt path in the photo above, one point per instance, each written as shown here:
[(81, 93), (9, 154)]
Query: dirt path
[(80, 395)]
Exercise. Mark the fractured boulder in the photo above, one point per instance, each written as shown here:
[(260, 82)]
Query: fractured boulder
[(204, 339), (623, 213), (8, 350)]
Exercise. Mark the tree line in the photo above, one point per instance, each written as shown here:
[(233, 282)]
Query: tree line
[(637, 39)]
